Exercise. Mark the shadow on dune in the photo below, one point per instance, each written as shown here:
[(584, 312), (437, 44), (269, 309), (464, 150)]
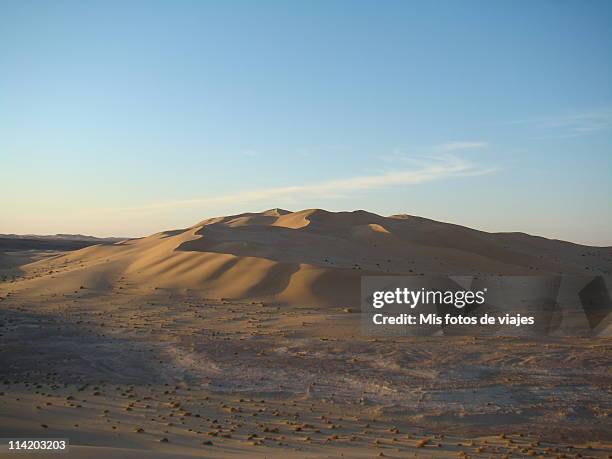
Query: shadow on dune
[(275, 280)]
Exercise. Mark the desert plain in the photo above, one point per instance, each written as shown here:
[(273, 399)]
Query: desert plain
[(240, 337)]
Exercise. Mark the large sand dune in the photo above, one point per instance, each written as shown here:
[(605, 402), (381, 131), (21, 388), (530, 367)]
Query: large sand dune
[(310, 257)]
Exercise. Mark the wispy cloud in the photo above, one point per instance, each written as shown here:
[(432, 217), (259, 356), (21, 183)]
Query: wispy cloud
[(461, 145), (582, 124), (436, 152), (440, 168), (574, 125)]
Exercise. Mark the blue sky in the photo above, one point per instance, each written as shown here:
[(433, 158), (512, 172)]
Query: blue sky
[(126, 118)]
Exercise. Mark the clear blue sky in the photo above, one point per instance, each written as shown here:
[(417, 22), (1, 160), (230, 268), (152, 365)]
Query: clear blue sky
[(126, 118)]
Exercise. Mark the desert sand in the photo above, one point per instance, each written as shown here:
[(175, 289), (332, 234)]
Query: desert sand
[(239, 337)]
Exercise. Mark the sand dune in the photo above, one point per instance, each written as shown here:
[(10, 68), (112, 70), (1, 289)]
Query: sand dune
[(310, 257)]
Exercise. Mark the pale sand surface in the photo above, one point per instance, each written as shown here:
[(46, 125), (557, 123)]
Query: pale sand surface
[(234, 332)]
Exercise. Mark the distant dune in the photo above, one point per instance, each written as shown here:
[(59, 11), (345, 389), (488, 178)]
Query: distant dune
[(17, 250), (309, 257), (62, 237)]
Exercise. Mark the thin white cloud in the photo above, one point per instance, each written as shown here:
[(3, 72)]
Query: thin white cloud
[(440, 168), (461, 145), (575, 125), (582, 124), (435, 152)]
